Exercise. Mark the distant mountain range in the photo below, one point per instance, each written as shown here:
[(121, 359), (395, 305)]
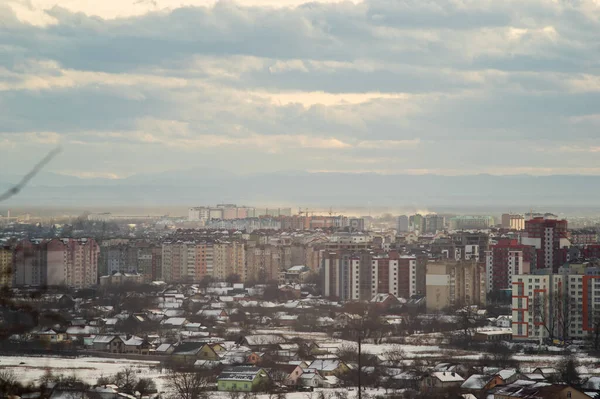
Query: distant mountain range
[(197, 187)]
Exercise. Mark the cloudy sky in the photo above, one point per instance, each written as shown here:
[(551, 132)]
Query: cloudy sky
[(389, 86)]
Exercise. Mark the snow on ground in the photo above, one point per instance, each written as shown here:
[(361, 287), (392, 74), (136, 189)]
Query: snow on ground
[(88, 369)]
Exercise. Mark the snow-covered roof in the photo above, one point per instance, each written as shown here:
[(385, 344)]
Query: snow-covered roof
[(446, 376), (325, 364), (476, 381)]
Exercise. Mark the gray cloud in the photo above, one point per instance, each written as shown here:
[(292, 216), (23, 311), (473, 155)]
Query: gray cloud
[(317, 87)]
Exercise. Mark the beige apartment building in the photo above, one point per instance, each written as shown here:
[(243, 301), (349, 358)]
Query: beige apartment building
[(454, 283), (229, 258), (265, 262)]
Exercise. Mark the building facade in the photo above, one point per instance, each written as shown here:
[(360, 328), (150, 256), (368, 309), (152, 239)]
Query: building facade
[(453, 284), (505, 259), (562, 306), (549, 237)]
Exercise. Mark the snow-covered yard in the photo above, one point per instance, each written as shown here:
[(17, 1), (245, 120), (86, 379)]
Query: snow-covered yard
[(89, 369)]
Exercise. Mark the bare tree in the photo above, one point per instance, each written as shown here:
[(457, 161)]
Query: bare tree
[(187, 385), (395, 354), (553, 313), (594, 336)]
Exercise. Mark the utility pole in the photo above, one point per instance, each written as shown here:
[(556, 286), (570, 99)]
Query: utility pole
[(359, 365)]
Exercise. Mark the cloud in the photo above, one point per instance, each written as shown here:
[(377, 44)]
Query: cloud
[(422, 86)]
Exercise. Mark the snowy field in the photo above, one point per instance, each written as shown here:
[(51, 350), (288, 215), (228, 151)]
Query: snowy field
[(89, 369)]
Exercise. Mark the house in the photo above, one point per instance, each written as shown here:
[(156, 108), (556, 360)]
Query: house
[(293, 373), (384, 301), (207, 364), (108, 343), (136, 345), (480, 382), (441, 380), (493, 335), (164, 349), (189, 352), (50, 335), (547, 372), (538, 390), (453, 368), (174, 322), (243, 379), (311, 378), (262, 341), (80, 332), (406, 380), (327, 367), (331, 381), (217, 314), (258, 357)]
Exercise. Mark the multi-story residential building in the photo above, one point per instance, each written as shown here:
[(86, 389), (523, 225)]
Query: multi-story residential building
[(434, 223), (416, 223), (513, 221), (66, 261), (340, 275), (360, 275), (563, 305), (402, 225), (583, 237), (452, 283), (505, 259), (356, 224), (189, 260), (6, 266), (30, 264), (549, 237), (72, 262), (306, 254), (384, 274), (470, 222), (265, 262), (230, 259)]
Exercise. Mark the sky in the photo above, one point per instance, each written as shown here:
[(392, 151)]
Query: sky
[(453, 87)]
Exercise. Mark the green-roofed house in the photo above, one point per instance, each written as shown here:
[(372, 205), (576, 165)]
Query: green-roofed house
[(243, 379)]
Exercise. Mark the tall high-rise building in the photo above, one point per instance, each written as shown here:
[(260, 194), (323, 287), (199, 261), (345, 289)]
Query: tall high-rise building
[(6, 266), (188, 260), (434, 223), (417, 223), (265, 261), (451, 284), (549, 237), (513, 221), (402, 224), (230, 259), (60, 261), (504, 260), (563, 305), (360, 275)]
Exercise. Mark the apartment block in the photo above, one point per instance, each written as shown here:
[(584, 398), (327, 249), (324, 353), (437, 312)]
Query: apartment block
[(455, 283), (60, 261), (6, 266), (513, 221), (549, 237), (563, 305), (230, 259), (265, 262), (505, 259)]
